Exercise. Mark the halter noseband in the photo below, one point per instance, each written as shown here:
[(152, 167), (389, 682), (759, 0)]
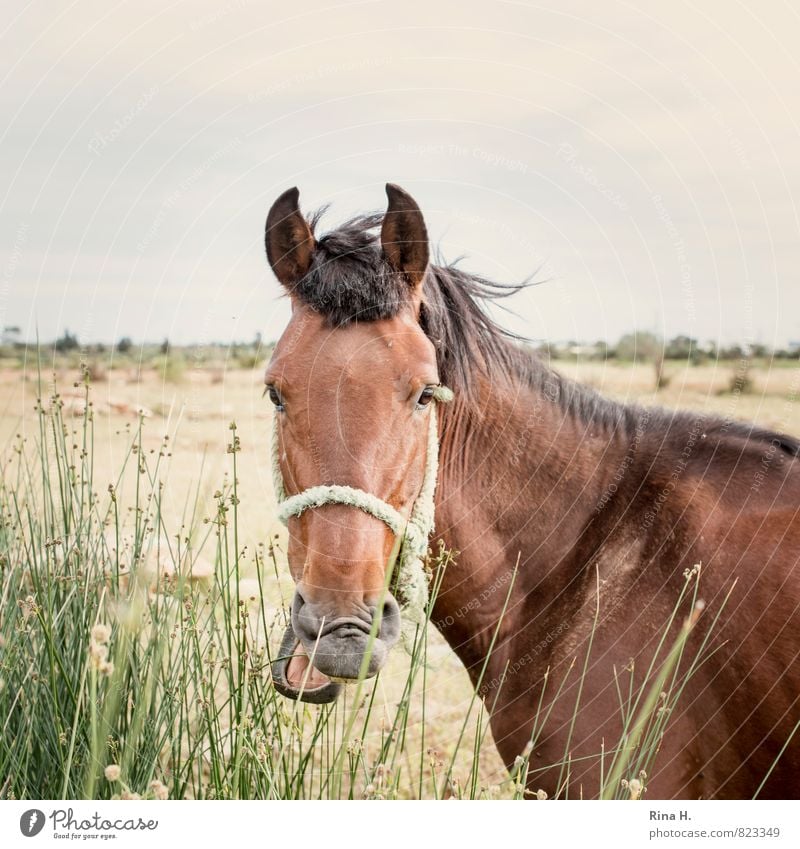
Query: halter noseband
[(411, 583)]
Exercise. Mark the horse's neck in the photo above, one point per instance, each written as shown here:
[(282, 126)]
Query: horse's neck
[(519, 485)]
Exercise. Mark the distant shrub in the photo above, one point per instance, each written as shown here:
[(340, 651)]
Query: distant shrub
[(662, 379), (247, 359), (171, 367), (741, 382), (96, 371)]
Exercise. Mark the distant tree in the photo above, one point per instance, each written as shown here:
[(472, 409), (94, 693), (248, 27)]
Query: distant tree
[(731, 352), (165, 347), (257, 341), (682, 348), (640, 346), (67, 342), (12, 334), (124, 345)]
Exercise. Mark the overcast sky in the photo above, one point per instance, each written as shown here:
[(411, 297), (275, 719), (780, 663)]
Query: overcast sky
[(645, 156)]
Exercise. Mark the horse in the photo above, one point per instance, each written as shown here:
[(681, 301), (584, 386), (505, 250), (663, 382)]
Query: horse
[(577, 523)]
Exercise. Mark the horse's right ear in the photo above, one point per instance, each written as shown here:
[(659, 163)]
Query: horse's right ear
[(289, 240)]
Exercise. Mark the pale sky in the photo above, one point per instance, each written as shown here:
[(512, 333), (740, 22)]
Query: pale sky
[(646, 155)]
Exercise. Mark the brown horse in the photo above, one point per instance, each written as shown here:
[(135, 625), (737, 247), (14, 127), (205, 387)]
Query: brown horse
[(578, 514)]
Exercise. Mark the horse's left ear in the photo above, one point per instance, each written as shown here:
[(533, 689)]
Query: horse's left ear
[(404, 236)]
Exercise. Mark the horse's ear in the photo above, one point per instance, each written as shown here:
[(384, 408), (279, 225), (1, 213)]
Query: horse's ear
[(289, 240), (404, 236)]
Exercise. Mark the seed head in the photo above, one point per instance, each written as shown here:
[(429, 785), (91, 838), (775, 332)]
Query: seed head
[(635, 788), (112, 772), (159, 790), (101, 633)]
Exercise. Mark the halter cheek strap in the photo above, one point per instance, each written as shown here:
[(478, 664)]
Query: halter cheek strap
[(411, 583)]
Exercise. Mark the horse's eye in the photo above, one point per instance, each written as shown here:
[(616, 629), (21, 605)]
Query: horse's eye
[(275, 397), (425, 398)]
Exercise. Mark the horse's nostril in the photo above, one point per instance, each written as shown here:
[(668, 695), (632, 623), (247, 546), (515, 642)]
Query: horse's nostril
[(305, 623), (390, 621)]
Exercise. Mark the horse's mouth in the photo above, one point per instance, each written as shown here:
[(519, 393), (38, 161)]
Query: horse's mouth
[(294, 676)]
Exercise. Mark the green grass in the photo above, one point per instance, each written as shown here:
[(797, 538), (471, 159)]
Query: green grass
[(177, 693)]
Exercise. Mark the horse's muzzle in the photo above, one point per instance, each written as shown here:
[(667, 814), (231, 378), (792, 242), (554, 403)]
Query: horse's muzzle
[(317, 653)]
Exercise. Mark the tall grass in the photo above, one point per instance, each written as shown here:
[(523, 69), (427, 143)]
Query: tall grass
[(131, 664)]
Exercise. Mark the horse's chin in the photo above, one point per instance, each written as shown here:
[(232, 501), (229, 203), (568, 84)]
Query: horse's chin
[(294, 676)]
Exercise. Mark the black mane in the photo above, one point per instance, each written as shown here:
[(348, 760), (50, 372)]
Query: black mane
[(350, 280)]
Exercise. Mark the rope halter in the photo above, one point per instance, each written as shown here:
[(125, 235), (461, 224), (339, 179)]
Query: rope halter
[(411, 579)]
